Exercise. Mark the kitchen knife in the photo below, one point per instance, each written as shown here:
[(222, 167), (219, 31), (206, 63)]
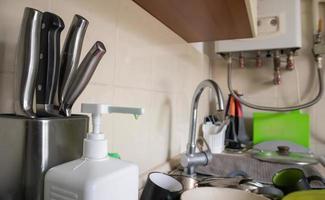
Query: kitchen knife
[(27, 60), (82, 76), (48, 73), (71, 53)]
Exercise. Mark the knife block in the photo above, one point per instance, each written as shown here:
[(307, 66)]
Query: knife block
[(29, 147)]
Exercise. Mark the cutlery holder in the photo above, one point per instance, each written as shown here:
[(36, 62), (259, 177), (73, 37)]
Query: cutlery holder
[(29, 147)]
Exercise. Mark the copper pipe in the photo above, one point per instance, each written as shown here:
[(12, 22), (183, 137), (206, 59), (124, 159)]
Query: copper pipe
[(277, 65)]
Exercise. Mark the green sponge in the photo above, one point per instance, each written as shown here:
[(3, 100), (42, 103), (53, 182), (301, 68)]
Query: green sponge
[(114, 155)]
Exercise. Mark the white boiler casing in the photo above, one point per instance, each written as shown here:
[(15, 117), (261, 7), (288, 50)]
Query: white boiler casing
[(278, 27)]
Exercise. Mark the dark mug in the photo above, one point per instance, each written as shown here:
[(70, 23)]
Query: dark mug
[(160, 186), (293, 179)]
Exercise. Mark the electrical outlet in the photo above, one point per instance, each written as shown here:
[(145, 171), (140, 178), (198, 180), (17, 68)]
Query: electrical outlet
[(268, 25)]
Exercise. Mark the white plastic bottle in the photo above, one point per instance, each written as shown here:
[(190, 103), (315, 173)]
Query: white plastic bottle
[(95, 176)]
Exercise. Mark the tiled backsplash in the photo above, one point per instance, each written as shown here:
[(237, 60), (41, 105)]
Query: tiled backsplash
[(297, 86), (146, 65)]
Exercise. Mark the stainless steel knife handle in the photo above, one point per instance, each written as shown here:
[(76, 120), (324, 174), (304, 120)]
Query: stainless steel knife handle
[(82, 76), (71, 53), (27, 59)]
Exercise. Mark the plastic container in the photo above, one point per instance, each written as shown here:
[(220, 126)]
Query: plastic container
[(95, 176), (290, 126), (216, 141)]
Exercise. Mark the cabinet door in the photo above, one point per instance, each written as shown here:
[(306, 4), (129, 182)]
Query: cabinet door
[(205, 20)]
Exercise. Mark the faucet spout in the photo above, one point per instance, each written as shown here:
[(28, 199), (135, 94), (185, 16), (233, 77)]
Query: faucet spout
[(191, 159), (218, 98)]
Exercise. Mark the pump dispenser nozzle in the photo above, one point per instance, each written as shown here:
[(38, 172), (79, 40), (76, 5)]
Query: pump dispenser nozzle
[(95, 145)]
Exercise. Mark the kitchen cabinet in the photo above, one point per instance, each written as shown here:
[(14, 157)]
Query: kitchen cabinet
[(205, 20)]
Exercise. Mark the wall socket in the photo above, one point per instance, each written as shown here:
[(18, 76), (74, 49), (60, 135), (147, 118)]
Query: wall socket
[(268, 25)]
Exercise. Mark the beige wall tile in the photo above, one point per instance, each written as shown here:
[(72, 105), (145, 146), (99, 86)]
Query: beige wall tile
[(7, 92), (167, 74), (134, 67), (161, 127), (130, 136), (182, 119), (146, 65)]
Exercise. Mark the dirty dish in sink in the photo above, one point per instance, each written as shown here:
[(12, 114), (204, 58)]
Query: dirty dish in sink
[(293, 179), (306, 195), (211, 193), (284, 156), (161, 186)]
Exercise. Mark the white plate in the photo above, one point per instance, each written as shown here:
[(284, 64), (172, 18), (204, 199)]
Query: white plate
[(211, 193)]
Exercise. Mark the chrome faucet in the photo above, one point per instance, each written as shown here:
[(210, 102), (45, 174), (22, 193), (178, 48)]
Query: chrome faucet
[(191, 159)]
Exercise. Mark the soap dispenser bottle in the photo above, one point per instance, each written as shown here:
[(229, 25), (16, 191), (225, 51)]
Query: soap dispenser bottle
[(94, 176)]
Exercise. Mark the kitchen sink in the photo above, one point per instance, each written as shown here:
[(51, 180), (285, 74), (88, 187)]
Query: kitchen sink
[(232, 163), (230, 170)]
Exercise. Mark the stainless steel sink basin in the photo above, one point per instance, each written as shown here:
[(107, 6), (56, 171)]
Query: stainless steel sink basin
[(224, 164), (219, 173)]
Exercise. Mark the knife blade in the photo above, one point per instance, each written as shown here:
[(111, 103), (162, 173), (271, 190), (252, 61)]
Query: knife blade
[(27, 61), (48, 72), (71, 53), (82, 76)]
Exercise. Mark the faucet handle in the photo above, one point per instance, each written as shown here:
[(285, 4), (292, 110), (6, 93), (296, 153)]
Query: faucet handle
[(201, 158), (207, 152), (201, 138), (190, 162)]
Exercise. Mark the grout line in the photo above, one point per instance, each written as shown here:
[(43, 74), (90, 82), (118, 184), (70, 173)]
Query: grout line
[(117, 37), (6, 73), (135, 88)]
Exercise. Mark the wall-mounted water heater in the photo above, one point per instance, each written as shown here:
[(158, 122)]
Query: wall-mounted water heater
[(278, 35), (278, 27)]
